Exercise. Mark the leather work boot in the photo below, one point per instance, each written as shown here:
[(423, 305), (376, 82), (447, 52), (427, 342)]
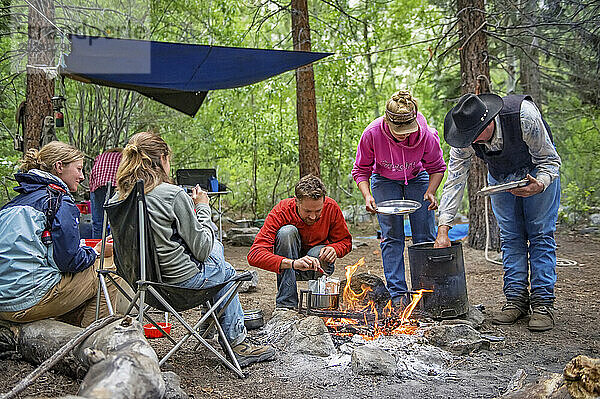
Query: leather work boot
[(542, 319), (202, 330), (247, 353), (509, 315)]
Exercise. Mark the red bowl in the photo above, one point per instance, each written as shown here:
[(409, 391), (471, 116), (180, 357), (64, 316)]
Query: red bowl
[(92, 242), (152, 332)]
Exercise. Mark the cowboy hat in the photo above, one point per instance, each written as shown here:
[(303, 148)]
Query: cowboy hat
[(469, 117)]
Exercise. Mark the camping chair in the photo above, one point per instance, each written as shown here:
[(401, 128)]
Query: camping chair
[(102, 289), (137, 263)]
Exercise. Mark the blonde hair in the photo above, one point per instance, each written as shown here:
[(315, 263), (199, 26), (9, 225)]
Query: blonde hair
[(46, 158), (402, 107), (142, 160)]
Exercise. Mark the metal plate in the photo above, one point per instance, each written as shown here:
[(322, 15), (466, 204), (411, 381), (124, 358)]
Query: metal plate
[(397, 207), (500, 188)]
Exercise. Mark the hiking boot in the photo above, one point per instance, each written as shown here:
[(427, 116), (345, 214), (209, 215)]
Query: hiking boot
[(509, 315), (542, 319), (247, 353), (202, 330)]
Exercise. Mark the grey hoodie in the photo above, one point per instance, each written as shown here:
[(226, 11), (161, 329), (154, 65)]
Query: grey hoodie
[(182, 232)]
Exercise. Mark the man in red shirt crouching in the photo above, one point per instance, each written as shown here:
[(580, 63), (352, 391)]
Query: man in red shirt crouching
[(301, 239)]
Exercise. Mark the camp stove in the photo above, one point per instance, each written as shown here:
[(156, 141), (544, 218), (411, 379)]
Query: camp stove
[(305, 308)]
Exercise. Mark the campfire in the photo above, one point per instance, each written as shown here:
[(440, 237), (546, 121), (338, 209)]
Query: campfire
[(357, 316)]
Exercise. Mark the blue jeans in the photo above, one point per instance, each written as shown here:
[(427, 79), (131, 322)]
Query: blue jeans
[(422, 225), (289, 244), (215, 270), (97, 198), (527, 226)]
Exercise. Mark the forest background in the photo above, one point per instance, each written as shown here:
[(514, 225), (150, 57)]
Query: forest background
[(550, 49)]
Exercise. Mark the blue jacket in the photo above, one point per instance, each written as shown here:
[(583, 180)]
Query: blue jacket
[(28, 268)]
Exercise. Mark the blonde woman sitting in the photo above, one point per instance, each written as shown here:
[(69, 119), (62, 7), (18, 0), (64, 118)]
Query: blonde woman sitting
[(188, 253), (44, 272)]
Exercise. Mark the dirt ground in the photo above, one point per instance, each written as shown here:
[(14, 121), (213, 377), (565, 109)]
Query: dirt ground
[(484, 374)]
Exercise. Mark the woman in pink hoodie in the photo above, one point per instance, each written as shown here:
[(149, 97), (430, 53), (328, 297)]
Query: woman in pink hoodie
[(402, 156)]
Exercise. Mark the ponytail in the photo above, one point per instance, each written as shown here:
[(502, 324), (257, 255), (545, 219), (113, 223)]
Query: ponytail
[(142, 160)]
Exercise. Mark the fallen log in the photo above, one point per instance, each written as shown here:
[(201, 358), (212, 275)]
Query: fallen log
[(579, 380), (116, 360), (57, 356)]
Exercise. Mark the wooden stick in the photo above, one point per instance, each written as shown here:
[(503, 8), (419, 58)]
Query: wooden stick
[(62, 352)]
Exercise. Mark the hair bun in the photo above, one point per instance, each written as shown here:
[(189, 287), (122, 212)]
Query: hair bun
[(132, 148)]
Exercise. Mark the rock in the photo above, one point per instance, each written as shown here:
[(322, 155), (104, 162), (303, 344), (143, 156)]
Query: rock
[(242, 230), (242, 236), (371, 360), (279, 327), (250, 286), (589, 230), (550, 386), (378, 294), (595, 219), (516, 382), (7, 339), (457, 338), (242, 240), (311, 337), (356, 214), (173, 386), (474, 318), (358, 244)]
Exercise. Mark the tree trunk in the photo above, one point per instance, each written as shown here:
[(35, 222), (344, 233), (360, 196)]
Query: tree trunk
[(40, 52), (370, 68), (475, 77), (306, 108), (530, 68)]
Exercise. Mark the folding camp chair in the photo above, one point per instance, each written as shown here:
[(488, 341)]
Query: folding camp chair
[(102, 289), (137, 263)]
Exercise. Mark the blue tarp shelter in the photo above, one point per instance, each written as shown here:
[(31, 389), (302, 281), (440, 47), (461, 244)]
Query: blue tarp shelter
[(175, 74)]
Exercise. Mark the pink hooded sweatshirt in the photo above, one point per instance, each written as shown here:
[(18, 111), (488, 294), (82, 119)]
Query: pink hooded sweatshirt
[(378, 152)]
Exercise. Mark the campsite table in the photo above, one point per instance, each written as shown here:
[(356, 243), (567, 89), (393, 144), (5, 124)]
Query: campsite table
[(215, 196)]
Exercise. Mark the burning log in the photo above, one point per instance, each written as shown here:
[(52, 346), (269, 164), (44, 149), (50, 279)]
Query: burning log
[(377, 319), (116, 360), (373, 286)]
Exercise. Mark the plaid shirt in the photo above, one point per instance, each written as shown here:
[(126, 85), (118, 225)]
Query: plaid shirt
[(104, 170)]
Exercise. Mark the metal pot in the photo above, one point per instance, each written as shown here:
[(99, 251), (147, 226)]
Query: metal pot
[(324, 301), (253, 319)]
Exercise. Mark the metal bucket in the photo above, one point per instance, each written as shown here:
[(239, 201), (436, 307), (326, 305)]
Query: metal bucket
[(443, 271)]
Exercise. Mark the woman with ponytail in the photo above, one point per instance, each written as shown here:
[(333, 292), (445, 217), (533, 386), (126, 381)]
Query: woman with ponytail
[(401, 155), (188, 253), (44, 272)]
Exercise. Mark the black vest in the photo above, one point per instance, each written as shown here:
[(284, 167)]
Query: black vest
[(514, 156)]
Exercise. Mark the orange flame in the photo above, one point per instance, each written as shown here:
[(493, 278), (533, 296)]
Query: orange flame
[(391, 324), (352, 299)]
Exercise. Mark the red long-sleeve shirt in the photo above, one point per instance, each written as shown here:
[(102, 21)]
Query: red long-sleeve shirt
[(330, 230)]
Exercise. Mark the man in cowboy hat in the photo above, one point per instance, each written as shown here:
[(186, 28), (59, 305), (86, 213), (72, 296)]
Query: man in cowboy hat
[(514, 141)]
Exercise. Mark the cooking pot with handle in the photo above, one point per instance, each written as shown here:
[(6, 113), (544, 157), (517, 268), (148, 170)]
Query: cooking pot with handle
[(443, 271)]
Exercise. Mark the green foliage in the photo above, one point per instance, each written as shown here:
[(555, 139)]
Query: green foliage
[(577, 204), (250, 133)]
